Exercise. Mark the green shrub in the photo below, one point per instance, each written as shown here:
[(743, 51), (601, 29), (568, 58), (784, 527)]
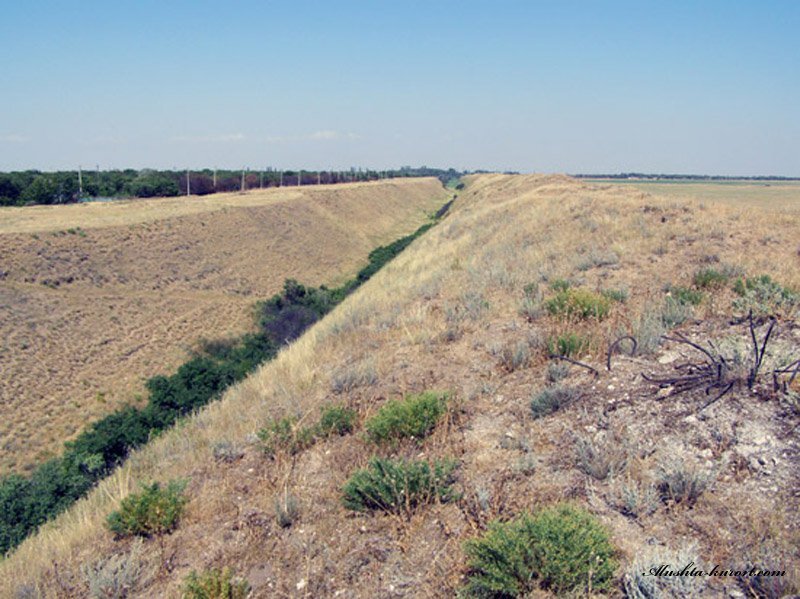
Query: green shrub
[(287, 510), (579, 303), (763, 296), (710, 278), (567, 344), (398, 486), (562, 549), (283, 435), (215, 584), (560, 284), (336, 420), (686, 296), (154, 511), (415, 416), (551, 399), (616, 295)]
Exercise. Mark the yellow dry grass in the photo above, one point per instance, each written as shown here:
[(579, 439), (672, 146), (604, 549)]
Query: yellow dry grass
[(86, 316), (437, 317)]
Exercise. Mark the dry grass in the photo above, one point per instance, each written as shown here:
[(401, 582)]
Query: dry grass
[(87, 316), (470, 272)]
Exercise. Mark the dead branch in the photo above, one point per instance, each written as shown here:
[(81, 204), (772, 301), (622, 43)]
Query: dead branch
[(615, 345)]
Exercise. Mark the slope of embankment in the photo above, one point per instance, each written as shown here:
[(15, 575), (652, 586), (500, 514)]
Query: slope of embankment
[(95, 298), (523, 268)]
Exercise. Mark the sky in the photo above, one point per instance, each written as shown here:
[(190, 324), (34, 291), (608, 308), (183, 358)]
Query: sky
[(704, 87)]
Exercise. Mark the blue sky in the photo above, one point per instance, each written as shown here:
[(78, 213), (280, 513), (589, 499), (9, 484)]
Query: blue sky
[(697, 87)]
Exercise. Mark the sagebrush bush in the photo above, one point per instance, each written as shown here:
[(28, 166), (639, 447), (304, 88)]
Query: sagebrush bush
[(764, 296), (616, 295), (579, 303), (562, 549), (414, 416), (551, 399), (118, 576), (287, 510), (639, 583), (398, 486), (600, 459), (156, 510), (681, 483), (215, 584), (557, 371), (633, 498)]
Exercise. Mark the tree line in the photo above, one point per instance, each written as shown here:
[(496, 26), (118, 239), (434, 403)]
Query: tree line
[(22, 188)]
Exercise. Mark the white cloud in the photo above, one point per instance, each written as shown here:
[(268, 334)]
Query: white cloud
[(322, 135), (224, 138)]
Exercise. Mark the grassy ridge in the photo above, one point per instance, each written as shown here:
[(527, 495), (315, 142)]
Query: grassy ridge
[(28, 502)]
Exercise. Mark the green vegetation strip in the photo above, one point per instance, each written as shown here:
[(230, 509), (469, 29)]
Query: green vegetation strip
[(28, 502)]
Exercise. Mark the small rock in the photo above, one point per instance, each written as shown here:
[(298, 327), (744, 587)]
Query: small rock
[(610, 387), (667, 358), (663, 392), (301, 585)]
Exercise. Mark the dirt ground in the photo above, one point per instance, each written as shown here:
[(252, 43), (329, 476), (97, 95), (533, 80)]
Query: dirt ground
[(95, 299)]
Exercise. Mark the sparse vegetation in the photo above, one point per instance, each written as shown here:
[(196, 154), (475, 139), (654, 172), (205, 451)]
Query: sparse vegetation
[(634, 498), (398, 486), (562, 549), (215, 584), (118, 576), (412, 417), (287, 510), (155, 510)]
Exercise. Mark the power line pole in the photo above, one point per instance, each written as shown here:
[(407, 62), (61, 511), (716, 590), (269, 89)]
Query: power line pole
[(242, 189), (280, 184), (215, 178), (80, 182), (261, 180), (188, 184), (319, 178)]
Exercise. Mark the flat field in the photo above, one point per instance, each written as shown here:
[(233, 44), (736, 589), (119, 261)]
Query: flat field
[(96, 298), (773, 195)]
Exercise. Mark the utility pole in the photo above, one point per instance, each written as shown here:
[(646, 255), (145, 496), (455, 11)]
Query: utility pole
[(280, 184), (215, 178), (80, 182), (261, 180), (188, 184), (319, 178), (242, 190)]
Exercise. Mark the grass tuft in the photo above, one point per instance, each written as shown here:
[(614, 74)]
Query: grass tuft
[(412, 417)]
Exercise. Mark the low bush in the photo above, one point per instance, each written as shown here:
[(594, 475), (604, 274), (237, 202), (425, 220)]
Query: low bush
[(579, 303), (118, 576), (414, 416), (710, 278), (764, 296), (633, 498), (155, 510), (616, 295), (284, 435), (552, 399), (562, 549), (567, 344), (686, 296), (336, 420), (287, 510), (600, 459), (678, 482), (398, 486), (215, 584), (639, 583)]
